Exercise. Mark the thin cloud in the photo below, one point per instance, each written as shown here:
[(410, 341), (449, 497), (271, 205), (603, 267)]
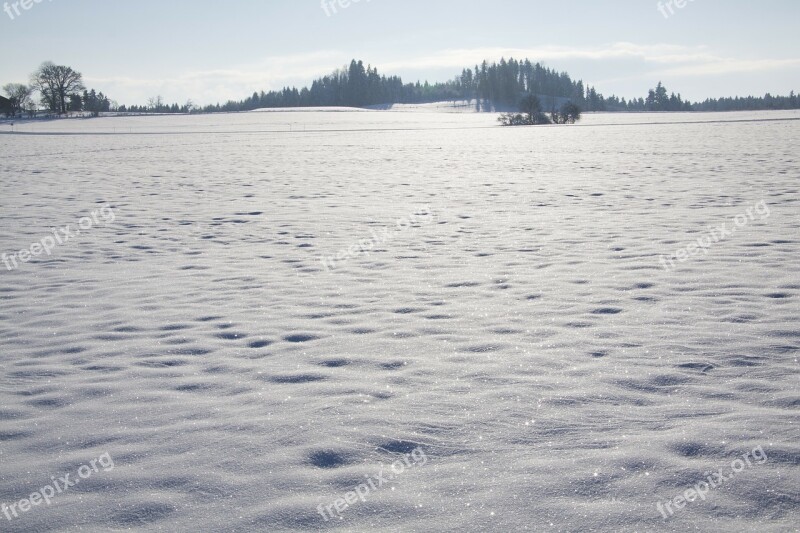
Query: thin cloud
[(658, 53), (733, 66), (685, 60), (223, 84)]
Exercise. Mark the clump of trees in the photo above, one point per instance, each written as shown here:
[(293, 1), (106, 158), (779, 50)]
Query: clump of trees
[(531, 114), (93, 102), (19, 96), (570, 113), (57, 84), (60, 89)]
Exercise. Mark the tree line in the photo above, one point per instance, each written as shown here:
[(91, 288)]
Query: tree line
[(60, 89), (658, 99), (362, 86), (488, 84)]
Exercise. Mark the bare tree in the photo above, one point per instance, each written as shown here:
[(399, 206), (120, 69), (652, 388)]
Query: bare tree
[(31, 108), (19, 95), (155, 103), (56, 83)]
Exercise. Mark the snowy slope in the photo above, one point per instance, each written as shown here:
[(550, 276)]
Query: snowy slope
[(496, 303)]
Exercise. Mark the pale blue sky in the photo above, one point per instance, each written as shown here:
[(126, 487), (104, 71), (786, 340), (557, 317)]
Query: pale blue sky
[(212, 51)]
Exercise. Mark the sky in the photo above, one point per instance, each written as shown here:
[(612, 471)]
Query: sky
[(214, 51)]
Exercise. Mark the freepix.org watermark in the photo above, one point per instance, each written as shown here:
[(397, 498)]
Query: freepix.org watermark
[(668, 8), (58, 486), (714, 480), (329, 6), (60, 236), (364, 490), (13, 9), (715, 235), (364, 246)]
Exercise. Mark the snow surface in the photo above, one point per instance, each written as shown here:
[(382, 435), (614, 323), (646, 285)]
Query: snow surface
[(521, 332)]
